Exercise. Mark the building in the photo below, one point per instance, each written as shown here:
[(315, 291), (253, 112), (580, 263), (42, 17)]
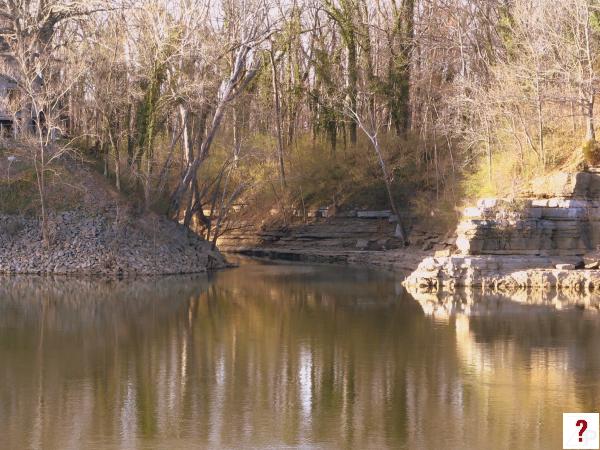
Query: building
[(7, 86)]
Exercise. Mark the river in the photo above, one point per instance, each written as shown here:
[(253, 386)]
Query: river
[(284, 356)]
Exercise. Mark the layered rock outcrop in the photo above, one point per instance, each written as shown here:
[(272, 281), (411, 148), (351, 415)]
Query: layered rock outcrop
[(526, 241), (361, 240)]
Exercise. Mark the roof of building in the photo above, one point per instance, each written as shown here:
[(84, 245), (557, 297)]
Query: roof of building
[(7, 79)]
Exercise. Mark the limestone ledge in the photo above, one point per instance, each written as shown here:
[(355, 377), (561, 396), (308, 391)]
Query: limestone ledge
[(558, 214), (501, 272), (529, 227), (519, 243)]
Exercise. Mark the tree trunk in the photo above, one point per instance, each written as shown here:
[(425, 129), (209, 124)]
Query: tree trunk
[(399, 71), (277, 102), (130, 137), (590, 133), (188, 151), (238, 79), (540, 120), (40, 171), (488, 143), (400, 228), (352, 81)]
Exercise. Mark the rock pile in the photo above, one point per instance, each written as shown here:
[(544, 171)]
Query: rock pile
[(103, 242)]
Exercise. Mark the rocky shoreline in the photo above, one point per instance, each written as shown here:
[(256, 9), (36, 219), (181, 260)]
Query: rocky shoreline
[(106, 241), (399, 260), (354, 241), (506, 273), (541, 239)]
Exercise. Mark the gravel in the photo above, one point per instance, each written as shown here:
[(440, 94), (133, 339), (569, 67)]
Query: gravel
[(103, 242)]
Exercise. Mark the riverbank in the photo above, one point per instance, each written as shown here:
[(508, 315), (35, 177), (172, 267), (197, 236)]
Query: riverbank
[(105, 242), (546, 237), (352, 241), (402, 260), (93, 230)]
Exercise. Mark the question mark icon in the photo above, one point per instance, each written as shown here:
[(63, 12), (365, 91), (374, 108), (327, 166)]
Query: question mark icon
[(583, 424)]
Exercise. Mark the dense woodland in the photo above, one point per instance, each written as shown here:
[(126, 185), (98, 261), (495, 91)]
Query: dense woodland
[(195, 107)]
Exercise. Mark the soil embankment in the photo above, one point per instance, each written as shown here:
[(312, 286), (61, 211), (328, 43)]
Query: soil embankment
[(100, 233)]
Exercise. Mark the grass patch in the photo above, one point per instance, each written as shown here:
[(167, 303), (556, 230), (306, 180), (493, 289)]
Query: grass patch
[(19, 194)]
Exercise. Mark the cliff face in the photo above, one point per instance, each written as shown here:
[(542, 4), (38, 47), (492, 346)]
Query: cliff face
[(365, 238), (552, 225), (559, 215)]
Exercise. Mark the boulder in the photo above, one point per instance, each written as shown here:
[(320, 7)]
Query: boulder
[(362, 244)]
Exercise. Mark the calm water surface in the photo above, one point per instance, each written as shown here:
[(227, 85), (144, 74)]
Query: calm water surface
[(274, 356)]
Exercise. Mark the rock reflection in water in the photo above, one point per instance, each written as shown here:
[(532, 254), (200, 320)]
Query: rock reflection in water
[(477, 301), (274, 356), (78, 357), (534, 352)]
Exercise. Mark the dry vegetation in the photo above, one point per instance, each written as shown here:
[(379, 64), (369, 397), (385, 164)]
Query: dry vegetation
[(193, 107)]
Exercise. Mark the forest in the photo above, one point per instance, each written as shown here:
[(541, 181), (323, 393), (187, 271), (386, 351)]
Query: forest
[(204, 110)]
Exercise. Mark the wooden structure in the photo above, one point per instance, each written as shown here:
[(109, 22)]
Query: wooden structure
[(7, 86)]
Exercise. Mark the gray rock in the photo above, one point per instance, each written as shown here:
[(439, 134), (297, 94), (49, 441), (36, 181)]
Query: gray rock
[(89, 244), (427, 246), (565, 266), (362, 244), (374, 214)]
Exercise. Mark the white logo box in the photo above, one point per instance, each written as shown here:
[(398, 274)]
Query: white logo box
[(581, 431)]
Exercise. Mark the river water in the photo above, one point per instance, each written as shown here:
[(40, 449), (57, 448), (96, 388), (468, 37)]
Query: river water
[(282, 356)]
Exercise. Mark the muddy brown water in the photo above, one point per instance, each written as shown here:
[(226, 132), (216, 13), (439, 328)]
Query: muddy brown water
[(283, 356)]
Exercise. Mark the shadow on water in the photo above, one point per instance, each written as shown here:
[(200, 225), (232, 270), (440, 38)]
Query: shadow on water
[(284, 355)]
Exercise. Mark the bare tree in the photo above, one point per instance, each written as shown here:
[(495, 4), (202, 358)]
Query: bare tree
[(251, 31), (29, 32)]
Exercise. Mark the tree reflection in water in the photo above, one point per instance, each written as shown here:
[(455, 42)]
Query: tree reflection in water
[(269, 356)]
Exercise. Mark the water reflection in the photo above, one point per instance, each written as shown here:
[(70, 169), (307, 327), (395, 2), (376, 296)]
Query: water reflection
[(475, 301), (534, 353), (274, 356)]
